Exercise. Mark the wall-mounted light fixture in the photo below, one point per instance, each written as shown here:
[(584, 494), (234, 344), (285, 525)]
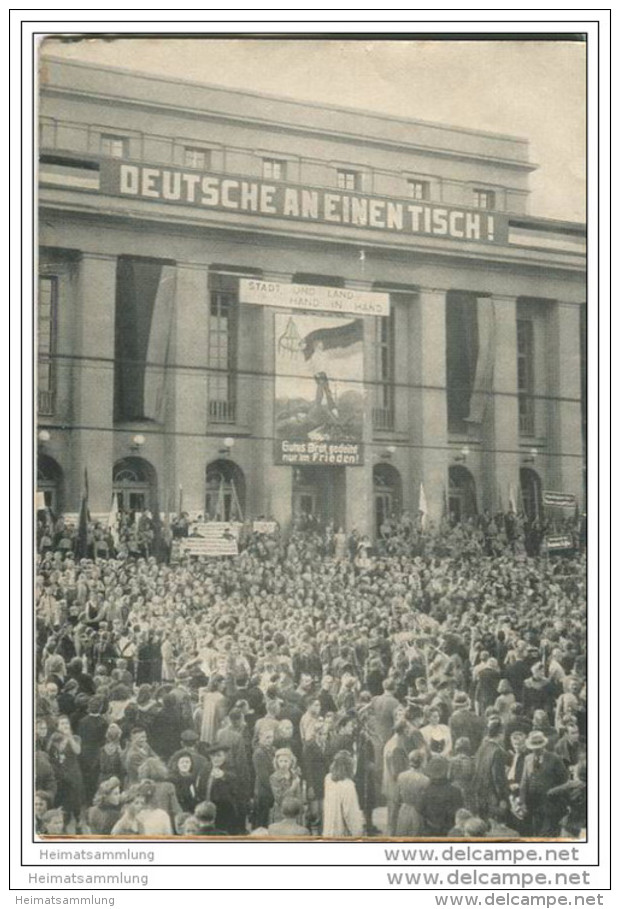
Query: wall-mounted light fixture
[(531, 457), (43, 437), (388, 451), (137, 442), (463, 455), (227, 444)]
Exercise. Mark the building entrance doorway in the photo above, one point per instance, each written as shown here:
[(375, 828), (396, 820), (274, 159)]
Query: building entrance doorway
[(318, 496), (461, 495), (134, 482)]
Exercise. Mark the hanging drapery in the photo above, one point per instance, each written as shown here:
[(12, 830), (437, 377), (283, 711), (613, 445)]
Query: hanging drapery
[(483, 380), (145, 293)]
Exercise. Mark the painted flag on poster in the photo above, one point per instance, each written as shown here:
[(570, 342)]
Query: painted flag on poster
[(145, 294), (422, 506), (483, 380)]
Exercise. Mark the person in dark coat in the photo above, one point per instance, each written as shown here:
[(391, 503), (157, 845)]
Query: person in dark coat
[(166, 727), (542, 771), (221, 789), (262, 761), (365, 774), (569, 802), (538, 692), (464, 723), (188, 772), (315, 767), (440, 800), (490, 785), (462, 770), (486, 685), (92, 732), (517, 754)]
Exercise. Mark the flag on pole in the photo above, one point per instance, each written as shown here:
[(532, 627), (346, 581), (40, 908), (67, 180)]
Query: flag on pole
[(422, 507), (113, 520), (81, 544), (512, 499)]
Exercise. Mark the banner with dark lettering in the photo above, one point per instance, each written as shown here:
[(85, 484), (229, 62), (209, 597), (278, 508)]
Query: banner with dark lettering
[(319, 390), (172, 185)]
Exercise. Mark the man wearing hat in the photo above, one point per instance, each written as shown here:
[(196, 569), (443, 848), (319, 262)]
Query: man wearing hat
[(464, 723), (542, 771)]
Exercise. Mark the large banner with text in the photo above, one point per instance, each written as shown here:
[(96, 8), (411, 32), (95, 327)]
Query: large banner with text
[(177, 186), (319, 389)]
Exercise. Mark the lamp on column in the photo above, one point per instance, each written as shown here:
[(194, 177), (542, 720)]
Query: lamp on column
[(227, 444), (531, 457), (137, 442), (463, 455), (387, 452)]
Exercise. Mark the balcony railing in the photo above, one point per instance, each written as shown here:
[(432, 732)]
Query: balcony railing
[(46, 404), (382, 418), (222, 411)]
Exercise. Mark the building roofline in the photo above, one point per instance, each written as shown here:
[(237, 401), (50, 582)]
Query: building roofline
[(285, 99)]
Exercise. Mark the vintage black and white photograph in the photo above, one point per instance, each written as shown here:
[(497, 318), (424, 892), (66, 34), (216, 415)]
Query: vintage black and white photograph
[(311, 419)]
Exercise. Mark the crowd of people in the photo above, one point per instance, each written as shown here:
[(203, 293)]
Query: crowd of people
[(430, 684)]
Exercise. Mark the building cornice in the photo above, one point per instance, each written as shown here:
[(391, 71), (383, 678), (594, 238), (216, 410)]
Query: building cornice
[(168, 218), (276, 126)]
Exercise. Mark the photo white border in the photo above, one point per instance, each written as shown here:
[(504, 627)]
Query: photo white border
[(366, 858)]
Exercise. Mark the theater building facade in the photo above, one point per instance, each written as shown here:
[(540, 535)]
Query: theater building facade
[(252, 306)]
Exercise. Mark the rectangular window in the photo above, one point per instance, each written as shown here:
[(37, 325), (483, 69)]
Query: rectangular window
[(114, 146), (46, 337), (484, 198), (347, 179), (273, 169), (419, 189), (198, 158), (222, 353), (383, 410), (525, 376)]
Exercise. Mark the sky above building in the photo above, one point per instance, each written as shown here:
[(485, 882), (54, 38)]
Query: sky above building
[(533, 89)]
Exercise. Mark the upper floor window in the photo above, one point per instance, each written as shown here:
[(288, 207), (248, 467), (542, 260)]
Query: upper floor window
[(198, 158), (347, 179), (46, 336), (484, 198), (273, 169), (222, 350), (525, 376), (383, 410), (114, 146), (419, 189)]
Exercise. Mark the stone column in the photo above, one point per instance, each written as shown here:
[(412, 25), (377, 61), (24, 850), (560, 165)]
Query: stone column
[(500, 428), (276, 480), (359, 490), (93, 388), (429, 411), (186, 452), (566, 456)]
